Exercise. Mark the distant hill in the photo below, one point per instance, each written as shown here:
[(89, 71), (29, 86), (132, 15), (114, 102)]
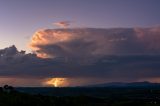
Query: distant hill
[(122, 84)]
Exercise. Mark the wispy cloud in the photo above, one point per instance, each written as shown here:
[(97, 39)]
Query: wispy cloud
[(63, 24)]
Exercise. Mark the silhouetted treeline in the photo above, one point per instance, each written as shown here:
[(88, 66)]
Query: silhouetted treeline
[(129, 97)]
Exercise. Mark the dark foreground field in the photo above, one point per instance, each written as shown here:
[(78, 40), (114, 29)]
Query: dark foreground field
[(122, 96)]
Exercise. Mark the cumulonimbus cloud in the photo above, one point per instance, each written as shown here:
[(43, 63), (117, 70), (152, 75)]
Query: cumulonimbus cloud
[(92, 42), (91, 54)]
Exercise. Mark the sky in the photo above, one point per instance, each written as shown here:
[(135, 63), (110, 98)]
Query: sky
[(60, 28), (21, 18)]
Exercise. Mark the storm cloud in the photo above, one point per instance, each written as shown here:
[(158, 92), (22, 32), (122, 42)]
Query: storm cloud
[(87, 55), (93, 42)]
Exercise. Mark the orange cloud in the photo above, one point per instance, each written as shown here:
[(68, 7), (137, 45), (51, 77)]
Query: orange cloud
[(48, 37)]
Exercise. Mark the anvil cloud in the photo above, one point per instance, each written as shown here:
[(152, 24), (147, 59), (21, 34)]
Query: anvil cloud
[(92, 42)]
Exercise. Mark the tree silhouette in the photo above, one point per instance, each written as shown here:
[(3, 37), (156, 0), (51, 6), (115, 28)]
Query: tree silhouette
[(8, 88)]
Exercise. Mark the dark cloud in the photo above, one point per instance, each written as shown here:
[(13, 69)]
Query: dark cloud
[(107, 68), (88, 54)]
